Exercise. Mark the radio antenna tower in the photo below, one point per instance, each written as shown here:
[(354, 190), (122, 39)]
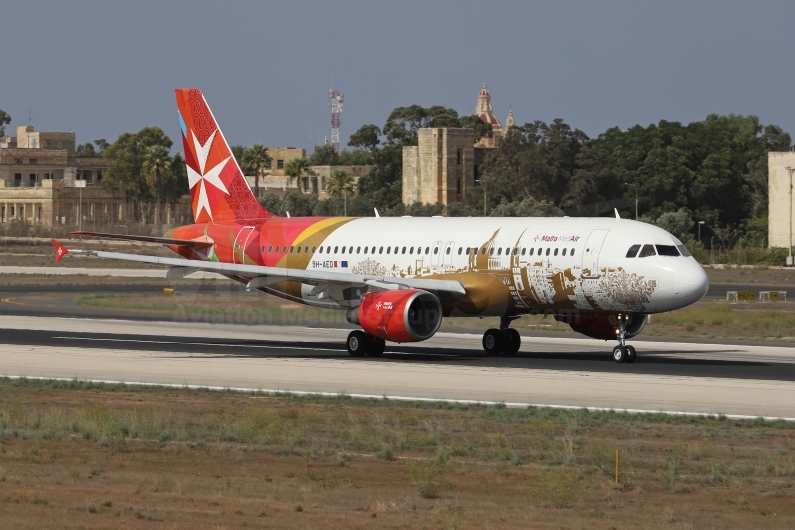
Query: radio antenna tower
[(336, 98)]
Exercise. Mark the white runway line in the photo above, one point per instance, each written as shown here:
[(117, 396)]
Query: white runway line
[(404, 398)]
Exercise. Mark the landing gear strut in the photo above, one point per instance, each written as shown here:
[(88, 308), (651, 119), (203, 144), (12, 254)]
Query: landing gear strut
[(623, 353), (505, 340), (361, 344)]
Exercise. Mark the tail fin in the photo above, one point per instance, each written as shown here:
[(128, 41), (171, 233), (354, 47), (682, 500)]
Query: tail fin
[(218, 191)]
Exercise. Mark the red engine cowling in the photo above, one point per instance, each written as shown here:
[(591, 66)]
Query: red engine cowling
[(604, 327), (403, 315)]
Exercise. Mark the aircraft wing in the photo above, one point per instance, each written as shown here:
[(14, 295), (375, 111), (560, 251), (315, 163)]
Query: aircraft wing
[(260, 276), (198, 245)]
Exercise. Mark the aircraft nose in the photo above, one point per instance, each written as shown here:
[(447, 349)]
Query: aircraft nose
[(690, 281)]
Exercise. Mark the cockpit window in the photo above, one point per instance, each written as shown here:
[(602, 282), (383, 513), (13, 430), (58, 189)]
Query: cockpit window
[(684, 251), (647, 250), (633, 251), (667, 250)]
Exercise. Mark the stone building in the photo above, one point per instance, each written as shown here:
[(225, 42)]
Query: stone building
[(42, 181), (274, 180), (317, 184), (447, 162), (779, 199), (441, 168)]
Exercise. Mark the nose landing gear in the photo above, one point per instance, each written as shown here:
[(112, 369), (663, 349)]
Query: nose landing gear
[(504, 340), (623, 353)]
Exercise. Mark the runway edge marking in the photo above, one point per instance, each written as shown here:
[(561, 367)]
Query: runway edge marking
[(406, 398)]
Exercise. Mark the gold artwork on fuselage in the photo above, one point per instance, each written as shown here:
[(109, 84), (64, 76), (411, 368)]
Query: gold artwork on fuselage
[(528, 284)]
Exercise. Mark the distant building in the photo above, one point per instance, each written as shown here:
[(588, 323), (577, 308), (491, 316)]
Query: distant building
[(317, 184), (484, 111), (779, 198), (446, 163), (274, 180), (41, 181)]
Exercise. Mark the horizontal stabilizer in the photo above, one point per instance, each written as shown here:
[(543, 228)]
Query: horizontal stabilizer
[(198, 245)]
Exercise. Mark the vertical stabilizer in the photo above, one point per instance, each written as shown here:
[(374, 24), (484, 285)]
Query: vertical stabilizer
[(218, 191)]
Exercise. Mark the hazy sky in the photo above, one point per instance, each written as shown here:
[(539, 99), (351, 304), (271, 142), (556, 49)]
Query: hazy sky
[(103, 68)]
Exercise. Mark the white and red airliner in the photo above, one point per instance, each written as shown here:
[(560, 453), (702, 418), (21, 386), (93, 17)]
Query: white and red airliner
[(397, 277)]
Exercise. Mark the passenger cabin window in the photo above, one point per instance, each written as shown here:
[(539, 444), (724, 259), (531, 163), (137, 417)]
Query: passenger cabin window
[(572, 252), (556, 251), (667, 250), (564, 251), (647, 250), (633, 251), (684, 251), (547, 252)]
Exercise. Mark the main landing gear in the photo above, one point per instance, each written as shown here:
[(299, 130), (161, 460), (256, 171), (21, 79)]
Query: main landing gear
[(623, 353), (504, 340), (361, 344)]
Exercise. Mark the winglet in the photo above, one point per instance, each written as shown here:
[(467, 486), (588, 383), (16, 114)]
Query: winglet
[(376, 212), (60, 250), (617, 216)]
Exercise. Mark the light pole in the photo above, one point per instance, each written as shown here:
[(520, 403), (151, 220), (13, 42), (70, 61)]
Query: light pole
[(699, 230), (789, 257)]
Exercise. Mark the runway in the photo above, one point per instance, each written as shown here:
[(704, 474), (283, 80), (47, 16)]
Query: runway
[(747, 380)]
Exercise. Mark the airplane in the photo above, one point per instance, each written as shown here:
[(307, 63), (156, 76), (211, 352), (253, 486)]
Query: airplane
[(396, 278)]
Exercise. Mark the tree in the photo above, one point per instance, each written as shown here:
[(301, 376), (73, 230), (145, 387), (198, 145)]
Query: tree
[(85, 150), (367, 137), (297, 169), (716, 169), (324, 155), (127, 154), (5, 119), (537, 160), (255, 160), (156, 165), (340, 184), (88, 150)]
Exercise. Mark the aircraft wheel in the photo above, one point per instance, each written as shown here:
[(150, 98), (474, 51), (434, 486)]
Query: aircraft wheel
[(513, 341), (620, 354), (631, 354), (493, 341), (377, 347), (358, 343)]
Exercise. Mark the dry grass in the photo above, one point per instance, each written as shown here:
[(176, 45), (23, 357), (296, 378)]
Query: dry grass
[(721, 320), (98, 456)]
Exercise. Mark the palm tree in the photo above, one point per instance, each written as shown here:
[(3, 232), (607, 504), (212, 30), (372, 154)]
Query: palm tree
[(340, 184), (254, 160), (157, 164), (298, 168)]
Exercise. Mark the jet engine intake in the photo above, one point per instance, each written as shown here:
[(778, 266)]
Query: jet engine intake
[(402, 315), (603, 327)]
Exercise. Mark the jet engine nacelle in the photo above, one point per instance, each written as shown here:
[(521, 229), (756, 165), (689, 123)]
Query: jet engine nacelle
[(603, 327), (403, 315)]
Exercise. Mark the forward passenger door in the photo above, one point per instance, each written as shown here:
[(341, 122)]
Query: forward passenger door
[(590, 255)]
